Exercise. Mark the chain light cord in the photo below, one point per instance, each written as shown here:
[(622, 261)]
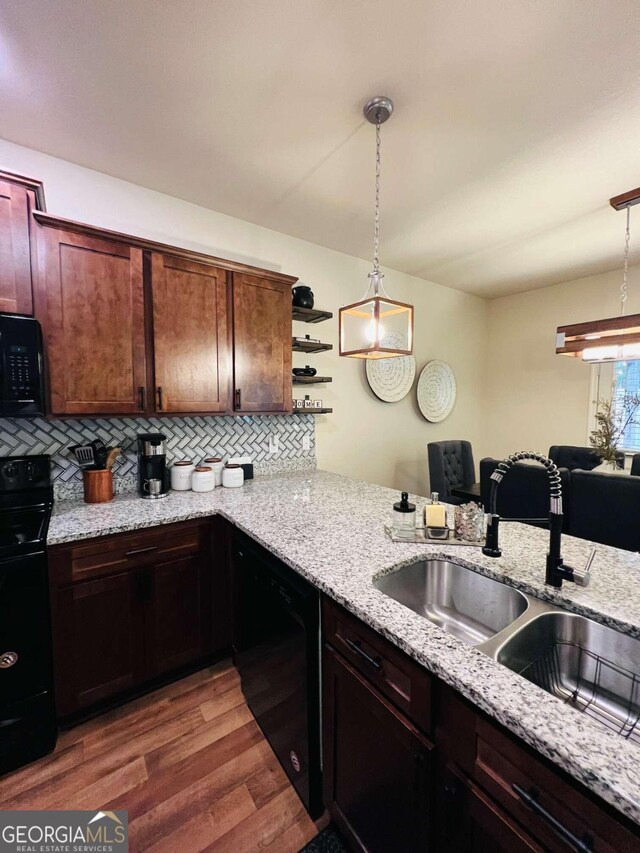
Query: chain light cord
[(625, 273)]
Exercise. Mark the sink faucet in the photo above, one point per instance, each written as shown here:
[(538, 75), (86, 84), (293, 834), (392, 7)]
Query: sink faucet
[(557, 570)]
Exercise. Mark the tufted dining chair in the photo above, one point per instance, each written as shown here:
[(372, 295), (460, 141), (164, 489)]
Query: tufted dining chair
[(450, 467), (584, 458)]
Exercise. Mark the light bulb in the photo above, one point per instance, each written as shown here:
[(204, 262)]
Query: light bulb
[(375, 332)]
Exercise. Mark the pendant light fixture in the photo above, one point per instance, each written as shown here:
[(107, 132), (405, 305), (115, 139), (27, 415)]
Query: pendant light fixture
[(613, 339), (376, 326)]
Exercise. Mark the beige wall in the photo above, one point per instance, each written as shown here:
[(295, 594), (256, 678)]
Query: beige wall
[(534, 397), (382, 443)]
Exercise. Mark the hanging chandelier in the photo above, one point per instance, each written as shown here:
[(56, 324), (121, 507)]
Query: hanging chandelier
[(376, 326), (616, 338)]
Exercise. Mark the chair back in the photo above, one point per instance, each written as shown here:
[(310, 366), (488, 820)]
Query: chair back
[(605, 508), (524, 492), (585, 458), (450, 466)]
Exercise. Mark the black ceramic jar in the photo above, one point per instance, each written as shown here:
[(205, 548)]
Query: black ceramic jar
[(302, 296)]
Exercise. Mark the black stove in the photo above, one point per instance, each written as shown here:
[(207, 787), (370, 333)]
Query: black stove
[(27, 713)]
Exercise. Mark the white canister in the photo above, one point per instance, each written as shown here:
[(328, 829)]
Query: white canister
[(232, 476), (203, 479), (181, 472), (217, 466)]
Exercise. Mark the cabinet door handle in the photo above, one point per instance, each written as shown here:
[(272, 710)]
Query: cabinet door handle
[(238, 399), (143, 397), (142, 551), (159, 392), (355, 646), (583, 845)]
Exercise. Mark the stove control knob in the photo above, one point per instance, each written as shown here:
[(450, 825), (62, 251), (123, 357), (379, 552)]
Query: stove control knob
[(10, 471), (31, 471)]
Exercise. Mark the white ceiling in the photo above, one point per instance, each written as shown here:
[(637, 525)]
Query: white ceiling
[(514, 123)]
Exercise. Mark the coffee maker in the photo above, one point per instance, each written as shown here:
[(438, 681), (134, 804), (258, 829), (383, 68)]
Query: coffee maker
[(152, 466)]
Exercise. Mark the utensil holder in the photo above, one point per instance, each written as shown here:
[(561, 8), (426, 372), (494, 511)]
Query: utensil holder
[(98, 486)]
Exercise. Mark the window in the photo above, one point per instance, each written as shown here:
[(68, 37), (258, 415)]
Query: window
[(612, 381), (626, 380)]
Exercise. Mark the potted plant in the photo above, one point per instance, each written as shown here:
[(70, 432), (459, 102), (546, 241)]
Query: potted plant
[(613, 417)]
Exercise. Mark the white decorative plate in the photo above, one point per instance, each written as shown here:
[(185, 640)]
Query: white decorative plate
[(436, 391), (391, 379)]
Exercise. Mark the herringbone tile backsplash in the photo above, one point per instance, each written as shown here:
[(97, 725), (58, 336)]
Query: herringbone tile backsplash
[(192, 438)]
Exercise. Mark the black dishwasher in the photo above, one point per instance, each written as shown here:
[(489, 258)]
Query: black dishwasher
[(277, 653)]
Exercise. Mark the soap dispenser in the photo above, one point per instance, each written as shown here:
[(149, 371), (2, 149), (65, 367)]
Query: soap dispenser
[(435, 518), (404, 517)]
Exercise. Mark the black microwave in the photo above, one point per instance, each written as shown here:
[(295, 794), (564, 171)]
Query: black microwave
[(21, 367)]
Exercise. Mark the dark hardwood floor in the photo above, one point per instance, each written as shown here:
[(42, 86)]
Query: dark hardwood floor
[(188, 762)]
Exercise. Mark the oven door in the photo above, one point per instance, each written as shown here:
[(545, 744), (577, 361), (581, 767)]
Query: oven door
[(25, 632)]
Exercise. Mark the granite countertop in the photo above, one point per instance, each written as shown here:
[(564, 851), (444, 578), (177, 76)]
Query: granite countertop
[(329, 529)]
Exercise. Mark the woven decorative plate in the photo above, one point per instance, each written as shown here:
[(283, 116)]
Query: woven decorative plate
[(436, 391), (391, 379)]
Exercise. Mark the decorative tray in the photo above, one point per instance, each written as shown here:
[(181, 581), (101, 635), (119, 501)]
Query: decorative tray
[(419, 537)]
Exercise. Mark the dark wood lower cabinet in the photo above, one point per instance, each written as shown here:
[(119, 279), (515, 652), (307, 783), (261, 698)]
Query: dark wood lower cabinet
[(134, 607), (400, 776), (100, 642), (409, 766), (377, 765), (181, 613), (470, 822)]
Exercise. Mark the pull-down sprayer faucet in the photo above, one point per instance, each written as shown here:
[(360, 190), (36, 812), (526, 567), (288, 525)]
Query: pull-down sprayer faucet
[(556, 571)]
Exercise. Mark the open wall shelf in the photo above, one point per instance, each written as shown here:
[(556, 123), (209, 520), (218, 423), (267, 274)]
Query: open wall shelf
[(309, 346), (310, 315), (310, 380)]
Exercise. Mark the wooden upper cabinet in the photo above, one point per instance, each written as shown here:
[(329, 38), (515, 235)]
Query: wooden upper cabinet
[(191, 335), (262, 344), (90, 302), (132, 326), (18, 198)]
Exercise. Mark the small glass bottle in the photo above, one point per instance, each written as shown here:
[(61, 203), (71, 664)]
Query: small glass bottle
[(435, 513), (404, 517)]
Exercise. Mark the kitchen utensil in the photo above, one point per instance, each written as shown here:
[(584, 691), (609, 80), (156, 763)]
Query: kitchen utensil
[(98, 486), (84, 455), (112, 455), (153, 488), (99, 453)]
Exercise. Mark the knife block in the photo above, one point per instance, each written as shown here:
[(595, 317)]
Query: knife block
[(98, 486)]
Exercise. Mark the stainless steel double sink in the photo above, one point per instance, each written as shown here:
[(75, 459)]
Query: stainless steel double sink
[(593, 668)]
